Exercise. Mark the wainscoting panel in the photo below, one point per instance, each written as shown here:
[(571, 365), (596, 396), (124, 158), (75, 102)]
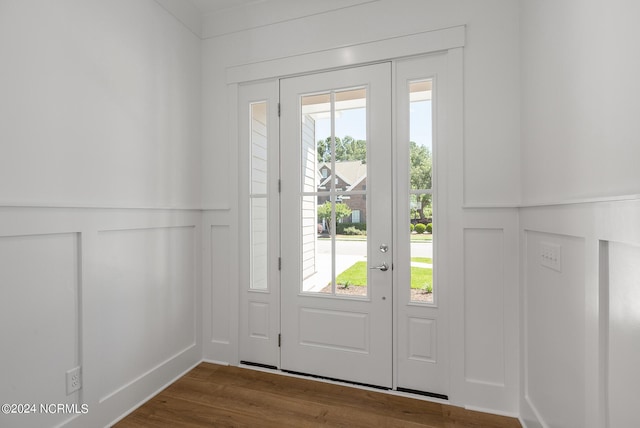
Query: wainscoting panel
[(623, 375), (220, 294), (148, 291), (579, 316), (484, 267), (39, 322), (484, 306), (555, 331), (220, 286), (114, 292)]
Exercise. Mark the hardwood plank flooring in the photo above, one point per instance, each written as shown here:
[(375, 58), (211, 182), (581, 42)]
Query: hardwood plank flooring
[(211, 395)]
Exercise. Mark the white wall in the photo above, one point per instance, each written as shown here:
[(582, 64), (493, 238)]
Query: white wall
[(485, 174), (580, 97), (100, 108), (100, 105)]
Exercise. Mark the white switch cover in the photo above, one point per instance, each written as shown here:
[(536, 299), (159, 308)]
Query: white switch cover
[(551, 256)]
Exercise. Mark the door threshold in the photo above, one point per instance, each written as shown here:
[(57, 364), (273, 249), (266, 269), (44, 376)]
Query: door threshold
[(262, 366), (402, 392), (424, 393), (332, 379)]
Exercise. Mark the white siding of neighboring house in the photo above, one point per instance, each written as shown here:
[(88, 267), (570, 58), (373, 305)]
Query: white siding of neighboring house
[(309, 204), (259, 248)]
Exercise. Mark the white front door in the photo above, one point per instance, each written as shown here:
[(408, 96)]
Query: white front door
[(336, 165)]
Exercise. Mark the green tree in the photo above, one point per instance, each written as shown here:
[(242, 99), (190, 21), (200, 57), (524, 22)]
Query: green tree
[(324, 150), (354, 150), (324, 212), (346, 149), (420, 174)]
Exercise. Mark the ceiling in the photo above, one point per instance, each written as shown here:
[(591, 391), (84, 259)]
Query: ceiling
[(210, 6), (211, 18)]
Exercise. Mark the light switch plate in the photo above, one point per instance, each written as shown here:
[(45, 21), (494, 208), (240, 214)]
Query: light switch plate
[(551, 256)]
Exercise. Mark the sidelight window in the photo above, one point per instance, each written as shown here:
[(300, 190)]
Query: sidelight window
[(422, 226), (259, 218)]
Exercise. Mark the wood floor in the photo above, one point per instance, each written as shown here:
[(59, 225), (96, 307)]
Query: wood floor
[(219, 396)]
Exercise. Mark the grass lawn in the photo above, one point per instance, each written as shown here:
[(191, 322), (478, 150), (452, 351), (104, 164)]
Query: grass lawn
[(357, 275), (421, 278)]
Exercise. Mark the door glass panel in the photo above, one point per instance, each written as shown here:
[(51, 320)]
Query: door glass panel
[(334, 195), (420, 191), (258, 197)]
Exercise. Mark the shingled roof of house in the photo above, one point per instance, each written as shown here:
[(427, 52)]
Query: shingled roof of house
[(351, 172)]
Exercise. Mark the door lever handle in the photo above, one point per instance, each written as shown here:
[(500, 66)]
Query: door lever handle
[(383, 267)]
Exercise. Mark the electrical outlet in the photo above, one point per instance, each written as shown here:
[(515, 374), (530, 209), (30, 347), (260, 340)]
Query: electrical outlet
[(551, 256), (74, 380)]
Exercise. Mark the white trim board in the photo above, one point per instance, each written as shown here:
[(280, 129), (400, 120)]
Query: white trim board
[(350, 55)]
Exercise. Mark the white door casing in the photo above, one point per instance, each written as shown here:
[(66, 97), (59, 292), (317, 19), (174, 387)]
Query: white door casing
[(407, 372)]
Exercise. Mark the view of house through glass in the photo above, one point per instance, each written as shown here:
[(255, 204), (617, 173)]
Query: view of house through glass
[(421, 224), (334, 193), (258, 197)]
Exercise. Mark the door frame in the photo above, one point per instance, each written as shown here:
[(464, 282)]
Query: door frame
[(449, 42)]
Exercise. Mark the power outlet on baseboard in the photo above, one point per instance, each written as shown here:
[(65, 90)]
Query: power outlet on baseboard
[(74, 380), (551, 256)]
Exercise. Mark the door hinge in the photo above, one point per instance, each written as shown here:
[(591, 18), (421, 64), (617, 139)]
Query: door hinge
[(278, 109), (279, 263), (279, 340)]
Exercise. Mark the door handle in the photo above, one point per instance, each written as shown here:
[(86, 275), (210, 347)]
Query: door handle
[(383, 267)]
